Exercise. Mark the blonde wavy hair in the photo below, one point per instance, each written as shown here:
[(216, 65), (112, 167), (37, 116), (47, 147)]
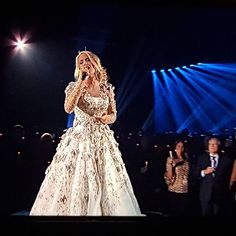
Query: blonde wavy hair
[(100, 71)]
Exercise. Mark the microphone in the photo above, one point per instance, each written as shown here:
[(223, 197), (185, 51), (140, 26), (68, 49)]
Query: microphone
[(84, 75)]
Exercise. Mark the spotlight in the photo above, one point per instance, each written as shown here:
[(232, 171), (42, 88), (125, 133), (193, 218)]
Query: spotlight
[(20, 44)]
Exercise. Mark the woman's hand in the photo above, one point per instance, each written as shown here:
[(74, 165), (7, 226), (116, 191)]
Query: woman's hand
[(170, 161), (102, 119)]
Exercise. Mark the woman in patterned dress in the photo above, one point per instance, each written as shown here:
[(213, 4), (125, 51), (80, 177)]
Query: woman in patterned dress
[(87, 175), (177, 180)]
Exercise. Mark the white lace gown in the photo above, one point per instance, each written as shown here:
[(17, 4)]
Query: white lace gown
[(87, 176)]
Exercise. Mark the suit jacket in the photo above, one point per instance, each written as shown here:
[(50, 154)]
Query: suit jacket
[(214, 187)]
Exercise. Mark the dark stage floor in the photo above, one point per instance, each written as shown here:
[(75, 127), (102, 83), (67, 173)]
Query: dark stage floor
[(153, 223)]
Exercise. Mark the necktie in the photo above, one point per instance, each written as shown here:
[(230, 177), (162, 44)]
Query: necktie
[(213, 162)]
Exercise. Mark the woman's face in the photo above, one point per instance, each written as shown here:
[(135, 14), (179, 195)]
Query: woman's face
[(85, 65), (179, 148)]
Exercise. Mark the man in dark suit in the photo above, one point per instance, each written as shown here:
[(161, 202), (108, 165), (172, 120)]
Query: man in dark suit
[(214, 170)]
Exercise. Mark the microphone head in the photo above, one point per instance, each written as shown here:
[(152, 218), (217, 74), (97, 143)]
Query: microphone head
[(84, 75)]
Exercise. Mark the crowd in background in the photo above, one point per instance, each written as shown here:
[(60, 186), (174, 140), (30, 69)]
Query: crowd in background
[(25, 155)]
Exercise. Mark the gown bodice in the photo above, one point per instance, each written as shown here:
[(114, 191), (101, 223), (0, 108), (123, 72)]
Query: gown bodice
[(93, 106)]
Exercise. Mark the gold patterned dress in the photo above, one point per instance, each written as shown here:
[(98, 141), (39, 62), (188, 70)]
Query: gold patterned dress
[(87, 175)]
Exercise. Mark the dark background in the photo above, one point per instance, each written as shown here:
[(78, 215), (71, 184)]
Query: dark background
[(131, 39)]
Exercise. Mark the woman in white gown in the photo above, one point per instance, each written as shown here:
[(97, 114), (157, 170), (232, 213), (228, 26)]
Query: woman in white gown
[(87, 175)]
